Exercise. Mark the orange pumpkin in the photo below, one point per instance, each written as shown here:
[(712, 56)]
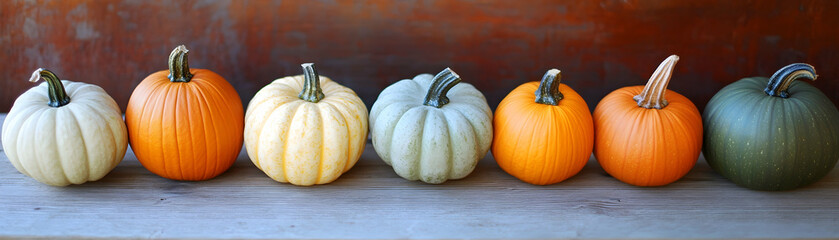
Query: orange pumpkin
[(185, 124), (643, 139), (543, 131)]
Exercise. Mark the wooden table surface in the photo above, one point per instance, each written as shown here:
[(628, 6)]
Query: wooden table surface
[(370, 201)]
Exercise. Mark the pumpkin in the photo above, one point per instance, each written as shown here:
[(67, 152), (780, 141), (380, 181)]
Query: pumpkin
[(305, 129), (648, 135), (185, 123), (543, 131), (63, 132), (431, 137), (772, 134)]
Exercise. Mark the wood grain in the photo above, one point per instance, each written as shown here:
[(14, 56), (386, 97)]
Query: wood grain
[(599, 45), (370, 201)]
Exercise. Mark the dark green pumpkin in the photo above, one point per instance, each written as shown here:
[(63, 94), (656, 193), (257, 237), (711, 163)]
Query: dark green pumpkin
[(772, 133)]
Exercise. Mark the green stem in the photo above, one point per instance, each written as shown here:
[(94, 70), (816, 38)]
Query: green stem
[(548, 91), (179, 65), (440, 85), (653, 94), (58, 97), (311, 84), (780, 81)]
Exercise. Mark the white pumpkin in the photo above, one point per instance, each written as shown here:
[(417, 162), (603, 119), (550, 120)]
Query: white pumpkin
[(61, 135), (305, 129), (431, 128)]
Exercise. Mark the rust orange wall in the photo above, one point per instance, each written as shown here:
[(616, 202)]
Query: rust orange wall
[(599, 45)]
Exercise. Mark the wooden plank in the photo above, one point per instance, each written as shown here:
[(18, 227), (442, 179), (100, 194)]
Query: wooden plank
[(370, 201)]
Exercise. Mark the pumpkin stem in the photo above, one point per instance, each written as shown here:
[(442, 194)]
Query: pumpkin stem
[(179, 65), (780, 81), (311, 84), (548, 91), (653, 94), (58, 97), (440, 85)]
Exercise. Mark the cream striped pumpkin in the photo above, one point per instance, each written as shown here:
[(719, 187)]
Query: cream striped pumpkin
[(305, 129)]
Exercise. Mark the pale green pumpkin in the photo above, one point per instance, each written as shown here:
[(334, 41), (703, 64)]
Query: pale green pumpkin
[(431, 128)]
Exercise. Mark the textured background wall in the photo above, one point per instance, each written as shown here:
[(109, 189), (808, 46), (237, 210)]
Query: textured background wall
[(599, 45)]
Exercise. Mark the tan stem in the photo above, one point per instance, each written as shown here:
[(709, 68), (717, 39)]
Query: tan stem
[(653, 94)]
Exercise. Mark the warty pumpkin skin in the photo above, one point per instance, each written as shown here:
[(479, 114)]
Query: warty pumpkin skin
[(543, 131), (305, 129), (431, 128), (643, 139), (63, 132), (185, 124), (776, 137)]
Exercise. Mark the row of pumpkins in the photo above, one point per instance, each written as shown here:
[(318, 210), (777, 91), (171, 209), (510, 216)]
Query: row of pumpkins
[(188, 124)]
